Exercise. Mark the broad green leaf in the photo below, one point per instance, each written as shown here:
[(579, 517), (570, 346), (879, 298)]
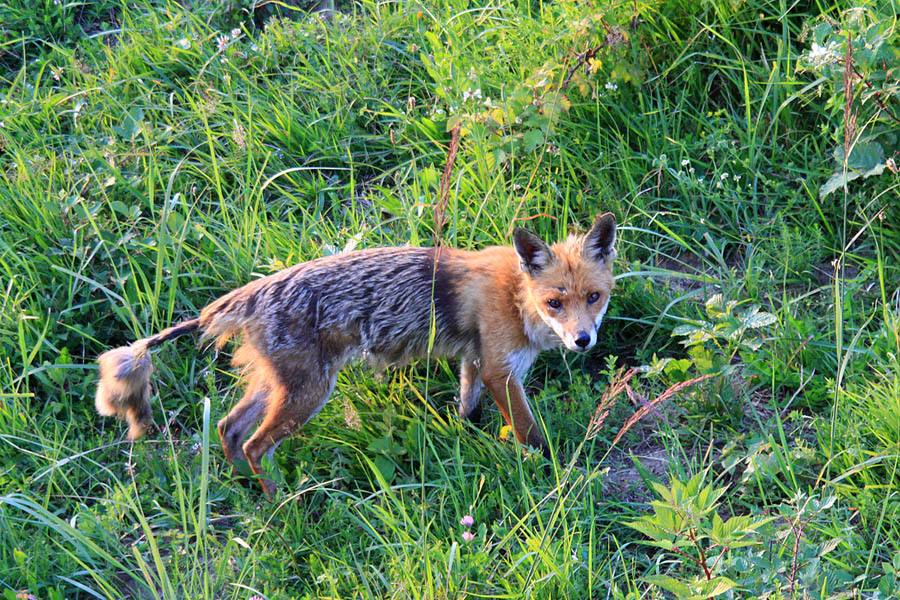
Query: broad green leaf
[(716, 586), (679, 366), (651, 530), (532, 139), (453, 122), (686, 329), (864, 156), (670, 584), (837, 180)]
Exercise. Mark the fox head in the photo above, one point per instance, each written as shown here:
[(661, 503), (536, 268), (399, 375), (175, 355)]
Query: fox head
[(569, 283)]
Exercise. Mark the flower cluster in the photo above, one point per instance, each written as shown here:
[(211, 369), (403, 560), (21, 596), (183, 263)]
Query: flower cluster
[(822, 56), (470, 94), (467, 521)]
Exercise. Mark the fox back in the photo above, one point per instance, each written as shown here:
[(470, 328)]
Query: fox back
[(380, 304)]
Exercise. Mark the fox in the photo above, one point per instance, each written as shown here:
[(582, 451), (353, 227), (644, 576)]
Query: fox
[(494, 309)]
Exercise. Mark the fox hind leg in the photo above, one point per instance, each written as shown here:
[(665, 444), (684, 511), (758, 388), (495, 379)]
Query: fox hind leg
[(236, 425), (288, 409)]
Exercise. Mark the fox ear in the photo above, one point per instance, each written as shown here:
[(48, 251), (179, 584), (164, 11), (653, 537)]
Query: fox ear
[(534, 253), (599, 242)]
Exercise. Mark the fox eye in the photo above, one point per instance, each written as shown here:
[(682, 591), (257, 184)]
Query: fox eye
[(554, 303), (593, 297)]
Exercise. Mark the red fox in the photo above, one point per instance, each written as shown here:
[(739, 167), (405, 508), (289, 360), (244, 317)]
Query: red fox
[(495, 309)]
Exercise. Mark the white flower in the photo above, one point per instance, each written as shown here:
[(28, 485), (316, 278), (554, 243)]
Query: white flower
[(819, 56), (470, 95), (685, 162), (222, 42), (235, 32), (817, 51), (723, 176), (611, 86), (253, 47)]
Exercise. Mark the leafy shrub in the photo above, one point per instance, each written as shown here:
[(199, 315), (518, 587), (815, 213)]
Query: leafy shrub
[(757, 556), (858, 61)]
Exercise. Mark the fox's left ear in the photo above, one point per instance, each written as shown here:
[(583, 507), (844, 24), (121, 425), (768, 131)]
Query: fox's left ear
[(599, 242)]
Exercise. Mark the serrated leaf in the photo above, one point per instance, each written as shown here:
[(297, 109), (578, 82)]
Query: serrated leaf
[(716, 586), (685, 330), (499, 116), (715, 300), (385, 468), (827, 502), (670, 585), (678, 366), (661, 490), (837, 180), (864, 156), (120, 207), (829, 546), (715, 305), (651, 530), (532, 139), (866, 160), (876, 170), (758, 319), (718, 528)]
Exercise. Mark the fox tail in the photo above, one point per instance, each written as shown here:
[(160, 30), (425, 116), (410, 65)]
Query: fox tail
[(124, 387)]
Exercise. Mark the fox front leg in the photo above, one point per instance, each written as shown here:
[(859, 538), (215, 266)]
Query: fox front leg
[(509, 394), (470, 388)]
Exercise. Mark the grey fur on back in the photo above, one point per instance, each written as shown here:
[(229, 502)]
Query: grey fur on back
[(377, 303)]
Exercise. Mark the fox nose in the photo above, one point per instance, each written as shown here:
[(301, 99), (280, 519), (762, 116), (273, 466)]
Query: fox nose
[(583, 339)]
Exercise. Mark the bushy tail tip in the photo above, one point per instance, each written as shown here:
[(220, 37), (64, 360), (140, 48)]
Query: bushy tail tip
[(124, 387)]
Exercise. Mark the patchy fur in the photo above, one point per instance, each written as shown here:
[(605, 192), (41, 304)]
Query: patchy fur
[(496, 309)]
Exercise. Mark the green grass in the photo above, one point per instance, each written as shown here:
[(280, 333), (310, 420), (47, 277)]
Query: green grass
[(153, 159)]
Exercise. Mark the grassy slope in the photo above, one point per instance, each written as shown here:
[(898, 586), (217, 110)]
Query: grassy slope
[(153, 166)]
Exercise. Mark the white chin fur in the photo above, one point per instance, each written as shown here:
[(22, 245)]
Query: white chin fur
[(597, 320)]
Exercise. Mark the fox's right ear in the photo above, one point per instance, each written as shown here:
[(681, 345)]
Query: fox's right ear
[(534, 253), (600, 241)]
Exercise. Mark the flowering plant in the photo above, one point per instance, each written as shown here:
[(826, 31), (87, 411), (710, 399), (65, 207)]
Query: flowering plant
[(858, 62)]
